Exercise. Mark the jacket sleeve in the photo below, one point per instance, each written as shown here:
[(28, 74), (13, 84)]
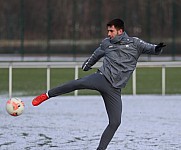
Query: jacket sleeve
[(98, 53), (147, 48)]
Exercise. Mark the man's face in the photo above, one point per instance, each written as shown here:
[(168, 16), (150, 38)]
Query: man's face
[(112, 31)]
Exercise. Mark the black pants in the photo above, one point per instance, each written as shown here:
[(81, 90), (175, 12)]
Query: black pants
[(111, 96)]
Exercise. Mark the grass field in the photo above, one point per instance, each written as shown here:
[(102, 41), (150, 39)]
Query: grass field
[(33, 81)]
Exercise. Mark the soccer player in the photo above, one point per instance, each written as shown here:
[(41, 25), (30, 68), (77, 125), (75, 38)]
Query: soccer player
[(120, 54)]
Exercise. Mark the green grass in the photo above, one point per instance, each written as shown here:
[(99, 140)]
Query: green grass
[(33, 81), (149, 81), (173, 81)]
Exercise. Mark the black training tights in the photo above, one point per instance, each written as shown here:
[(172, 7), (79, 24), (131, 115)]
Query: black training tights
[(111, 97)]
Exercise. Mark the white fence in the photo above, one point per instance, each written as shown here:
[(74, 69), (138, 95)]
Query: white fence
[(77, 65)]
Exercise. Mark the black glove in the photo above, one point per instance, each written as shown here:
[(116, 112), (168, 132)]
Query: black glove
[(159, 47), (86, 66)]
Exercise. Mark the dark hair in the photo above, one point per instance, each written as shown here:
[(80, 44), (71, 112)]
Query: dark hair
[(118, 24)]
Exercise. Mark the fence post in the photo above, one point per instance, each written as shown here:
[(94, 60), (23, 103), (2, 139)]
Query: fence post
[(134, 82), (76, 77), (174, 16), (48, 77), (10, 80), (163, 80), (49, 19), (22, 28)]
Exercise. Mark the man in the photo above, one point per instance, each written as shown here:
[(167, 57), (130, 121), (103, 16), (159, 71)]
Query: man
[(120, 55)]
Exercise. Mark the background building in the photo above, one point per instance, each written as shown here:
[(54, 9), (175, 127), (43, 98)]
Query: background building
[(74, 28)]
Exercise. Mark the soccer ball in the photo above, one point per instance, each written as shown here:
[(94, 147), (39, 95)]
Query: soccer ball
[(15, 106)]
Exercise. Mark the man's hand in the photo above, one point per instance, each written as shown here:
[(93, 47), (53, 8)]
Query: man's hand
[(86, 66), (159, 47)]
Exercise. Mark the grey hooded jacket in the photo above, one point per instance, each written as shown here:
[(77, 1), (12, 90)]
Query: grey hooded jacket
[(120, 57)]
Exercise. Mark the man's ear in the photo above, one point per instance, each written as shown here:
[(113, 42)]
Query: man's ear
[(120, 31)]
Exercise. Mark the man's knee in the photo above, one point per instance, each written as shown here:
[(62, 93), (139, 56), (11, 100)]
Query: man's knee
[(114, 125)]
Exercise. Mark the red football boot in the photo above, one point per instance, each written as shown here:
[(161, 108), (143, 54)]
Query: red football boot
[(39, 99)]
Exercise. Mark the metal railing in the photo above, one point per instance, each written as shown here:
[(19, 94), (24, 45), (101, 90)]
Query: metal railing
[(77, 65)]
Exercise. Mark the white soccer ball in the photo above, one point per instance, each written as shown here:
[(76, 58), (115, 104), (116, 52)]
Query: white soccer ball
[(15, 106)]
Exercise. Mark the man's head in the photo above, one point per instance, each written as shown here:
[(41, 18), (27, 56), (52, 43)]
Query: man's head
[(115, 27)]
